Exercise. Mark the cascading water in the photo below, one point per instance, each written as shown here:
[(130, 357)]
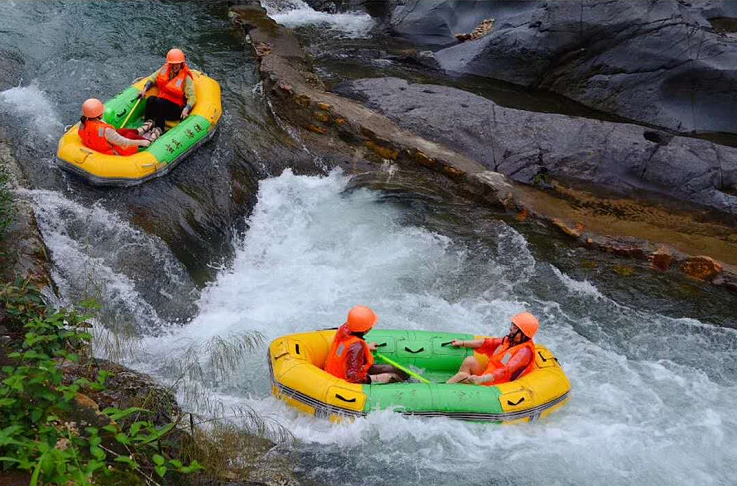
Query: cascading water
[(652, 396), (296, 13)]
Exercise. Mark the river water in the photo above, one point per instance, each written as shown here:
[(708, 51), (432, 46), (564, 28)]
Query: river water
[(231, 242)]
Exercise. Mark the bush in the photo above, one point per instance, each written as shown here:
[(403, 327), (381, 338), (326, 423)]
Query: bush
[(37, 434)]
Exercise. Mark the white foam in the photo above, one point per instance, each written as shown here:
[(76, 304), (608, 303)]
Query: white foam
[(32, 104), (583, 288), (90, 248), (638, 414), (296, 13)]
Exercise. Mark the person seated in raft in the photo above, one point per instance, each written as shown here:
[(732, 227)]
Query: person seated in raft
[(350, 356), (176, 93), (103, 137), (510, 357)]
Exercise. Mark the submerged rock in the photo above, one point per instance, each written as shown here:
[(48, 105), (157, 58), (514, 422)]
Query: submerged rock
[(528, 146), (659, 62)]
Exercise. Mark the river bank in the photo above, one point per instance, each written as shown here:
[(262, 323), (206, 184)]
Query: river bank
[(300, 96)]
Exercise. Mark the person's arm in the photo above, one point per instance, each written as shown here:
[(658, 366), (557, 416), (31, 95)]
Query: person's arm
[(516, 364), (477, 343), (115, 138), (189, 93), (150, 82), (355, 363)]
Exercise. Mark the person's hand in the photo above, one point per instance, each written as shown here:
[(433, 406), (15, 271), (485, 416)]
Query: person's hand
[(141, 94), (185, 112), (373, 346), (144, 143), (456, 343)]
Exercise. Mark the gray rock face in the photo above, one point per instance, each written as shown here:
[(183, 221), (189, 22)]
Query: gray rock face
[(520, 144), (11, 69), (659, 62)]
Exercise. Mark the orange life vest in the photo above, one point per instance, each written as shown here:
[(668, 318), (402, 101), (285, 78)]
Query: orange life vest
[(501, 356), (337, 362), (92, 134), (173, 89)]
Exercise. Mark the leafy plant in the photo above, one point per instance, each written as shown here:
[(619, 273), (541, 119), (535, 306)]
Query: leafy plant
[(38, 433)]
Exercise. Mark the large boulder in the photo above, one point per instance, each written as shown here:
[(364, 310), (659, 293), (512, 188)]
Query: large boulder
[(659, 62), (527, 145)]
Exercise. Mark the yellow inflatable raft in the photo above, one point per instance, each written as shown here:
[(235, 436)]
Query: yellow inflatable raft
[(296, 363), (180, 140)]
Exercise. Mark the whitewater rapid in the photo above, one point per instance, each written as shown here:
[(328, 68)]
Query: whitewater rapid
[(650, 403)]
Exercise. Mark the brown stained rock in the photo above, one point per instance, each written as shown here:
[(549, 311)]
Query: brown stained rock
[(522, 215), (262, 49), (381, 151), (451, 172), (303, 100), (316, 129), (661, 259), (339, 121), (323, 117), (323, 106), (572, 231), (482, 30), (421, 158), (625, 246), (701, 267)]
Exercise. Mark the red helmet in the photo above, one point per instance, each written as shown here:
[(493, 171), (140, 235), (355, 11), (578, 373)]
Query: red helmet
[(527, 323), (92, 108), (175, 56), (361, 319)]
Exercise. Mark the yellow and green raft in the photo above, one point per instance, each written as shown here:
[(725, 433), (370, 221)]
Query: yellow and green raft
[(296, 363), (180, 140)]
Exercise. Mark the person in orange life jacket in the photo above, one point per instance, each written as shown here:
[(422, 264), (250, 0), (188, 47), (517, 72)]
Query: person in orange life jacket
[(510, 357), (103, 137), (350, 356), (176, 96)]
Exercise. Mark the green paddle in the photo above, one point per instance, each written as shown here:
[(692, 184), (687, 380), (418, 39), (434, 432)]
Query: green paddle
[(131, 112), (400, 367)]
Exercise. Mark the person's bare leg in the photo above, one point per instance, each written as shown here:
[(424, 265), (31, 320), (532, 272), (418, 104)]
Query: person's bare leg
[(470, 366)]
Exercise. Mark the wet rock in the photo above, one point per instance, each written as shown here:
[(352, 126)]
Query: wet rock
[(126, 388), (661, 259), (12, 68), (524, 145), (658, 62), (23, 253), (702, 267)]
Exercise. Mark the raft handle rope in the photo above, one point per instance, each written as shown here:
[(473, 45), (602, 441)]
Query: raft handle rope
[(296, 348), (381, 345), (339, 397), (442, 345), (413, 352)]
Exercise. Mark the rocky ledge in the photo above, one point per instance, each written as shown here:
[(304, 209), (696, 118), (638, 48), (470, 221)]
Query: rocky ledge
[(456, 150), (659, 62), (527, 146)]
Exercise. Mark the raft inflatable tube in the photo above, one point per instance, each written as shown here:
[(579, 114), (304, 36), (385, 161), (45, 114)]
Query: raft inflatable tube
[(180, 140), (296, 363)]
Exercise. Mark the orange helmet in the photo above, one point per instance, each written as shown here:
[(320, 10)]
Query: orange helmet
[(361, 319), (92, 108), (175, 56), (527, 323)]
